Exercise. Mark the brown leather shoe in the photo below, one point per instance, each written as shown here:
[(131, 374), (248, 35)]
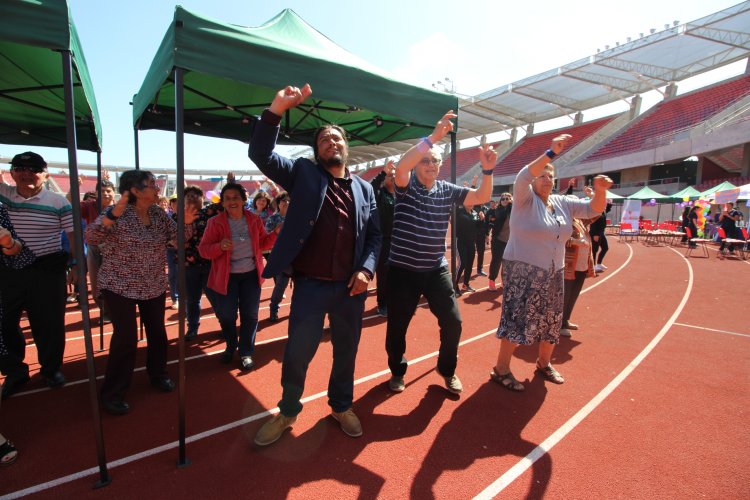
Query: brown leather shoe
[(350, 423), (273, 429)]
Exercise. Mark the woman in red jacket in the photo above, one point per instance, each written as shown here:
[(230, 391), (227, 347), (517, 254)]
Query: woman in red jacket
[(234, 241)]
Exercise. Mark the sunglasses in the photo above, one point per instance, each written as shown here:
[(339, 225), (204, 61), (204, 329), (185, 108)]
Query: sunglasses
[(427, 161), (505, 199), (27, 168)]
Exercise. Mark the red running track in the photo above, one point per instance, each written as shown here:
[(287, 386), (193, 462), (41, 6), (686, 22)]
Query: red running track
[(653, 406)]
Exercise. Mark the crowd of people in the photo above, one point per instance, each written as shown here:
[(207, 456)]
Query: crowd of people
[(338, 235)]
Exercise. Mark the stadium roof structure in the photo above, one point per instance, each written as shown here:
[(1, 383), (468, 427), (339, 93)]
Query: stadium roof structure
[(635, 67)]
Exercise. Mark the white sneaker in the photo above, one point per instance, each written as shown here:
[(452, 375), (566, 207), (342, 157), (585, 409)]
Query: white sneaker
[(564, 332), (175, 305), (598, 268), (602, 266)]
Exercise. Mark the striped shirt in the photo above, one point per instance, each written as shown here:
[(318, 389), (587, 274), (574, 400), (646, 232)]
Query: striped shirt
[(38, 220), (420, 223)]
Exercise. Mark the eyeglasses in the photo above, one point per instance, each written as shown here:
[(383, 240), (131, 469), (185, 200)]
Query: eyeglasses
[(427, 161), (27, 168), (505, 199)]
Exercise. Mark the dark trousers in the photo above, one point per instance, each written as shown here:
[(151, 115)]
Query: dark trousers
[(382, 273), (405, 288), (282, 281), (571, 292), (600, 246), (498, 249), (243, 294), (40, 291), (196, 278), (311, 301), (480, 244), (466, 260), (124, 344)]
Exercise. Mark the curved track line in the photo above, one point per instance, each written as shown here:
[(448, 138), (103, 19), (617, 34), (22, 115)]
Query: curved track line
[(522, 465)]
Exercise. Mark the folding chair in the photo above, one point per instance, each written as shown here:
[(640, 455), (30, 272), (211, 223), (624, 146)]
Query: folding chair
[(697, 241), (627, 233), (739, 244)]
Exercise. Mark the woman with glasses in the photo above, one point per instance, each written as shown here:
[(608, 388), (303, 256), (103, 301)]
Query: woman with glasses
[(534, 261), (133, 236), (500, 235), (233, 241)]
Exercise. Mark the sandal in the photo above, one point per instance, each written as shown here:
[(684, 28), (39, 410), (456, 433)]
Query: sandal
[(550, 374), (507, 380), (8, 453)]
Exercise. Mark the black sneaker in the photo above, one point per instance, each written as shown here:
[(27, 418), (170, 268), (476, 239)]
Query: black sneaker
[(191, 335), (246, 363), (383, 311), (274, 316), (164, 384)]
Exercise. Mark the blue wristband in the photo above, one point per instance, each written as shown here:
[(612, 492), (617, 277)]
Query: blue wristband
[(428, 142), (550, 154)]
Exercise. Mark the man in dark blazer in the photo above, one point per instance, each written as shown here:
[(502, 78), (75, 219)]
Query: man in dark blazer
[(331, 239)]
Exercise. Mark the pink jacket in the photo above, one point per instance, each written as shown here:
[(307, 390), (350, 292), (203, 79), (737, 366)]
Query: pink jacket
[(210, 247)]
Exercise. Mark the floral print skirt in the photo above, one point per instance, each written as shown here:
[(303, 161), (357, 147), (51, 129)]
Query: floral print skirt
[(532, 303)]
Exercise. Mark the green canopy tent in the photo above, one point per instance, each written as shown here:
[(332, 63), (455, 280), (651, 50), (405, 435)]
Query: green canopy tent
[(213, 78), (707, 194), (646, 193), (224, 94), (689, 192), (46, 99)]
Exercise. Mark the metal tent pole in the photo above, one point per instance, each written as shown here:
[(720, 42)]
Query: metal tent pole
[(179, 119), (137, 150), (104, 478), (454, 155)]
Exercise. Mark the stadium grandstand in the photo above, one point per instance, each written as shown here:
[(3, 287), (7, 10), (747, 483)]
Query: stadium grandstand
[(700, 137)]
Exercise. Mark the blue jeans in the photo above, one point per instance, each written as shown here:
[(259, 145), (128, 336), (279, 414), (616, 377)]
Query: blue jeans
[(282, 281), (311, 300), (243, 293), (172, 272), (196, 278)]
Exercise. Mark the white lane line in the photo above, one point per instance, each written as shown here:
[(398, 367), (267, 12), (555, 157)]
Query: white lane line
[(613, 273), (526, 462), (713, 330), (210, 432)]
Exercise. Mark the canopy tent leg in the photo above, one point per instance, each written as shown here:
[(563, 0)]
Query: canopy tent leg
[(179, 94), (137, 149), (104, 478), (454, 234)]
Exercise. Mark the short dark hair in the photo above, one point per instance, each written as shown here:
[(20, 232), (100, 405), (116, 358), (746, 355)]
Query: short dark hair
[(234, 186), (194, 190), (134, 179), (322, 129), (107, 184)]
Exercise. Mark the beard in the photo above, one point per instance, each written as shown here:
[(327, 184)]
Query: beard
[(337, 160)]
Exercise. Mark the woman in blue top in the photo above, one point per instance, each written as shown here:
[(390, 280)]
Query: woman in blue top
[(534, 260)]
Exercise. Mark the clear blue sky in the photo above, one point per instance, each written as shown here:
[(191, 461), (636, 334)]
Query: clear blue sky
[(479, 45)]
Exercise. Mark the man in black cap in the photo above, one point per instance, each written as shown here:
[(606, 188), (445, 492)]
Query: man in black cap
[(39, 217)]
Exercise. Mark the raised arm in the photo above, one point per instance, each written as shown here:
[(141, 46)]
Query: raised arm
[(536, 167), (488, 158), (409, 161), (601, 184)]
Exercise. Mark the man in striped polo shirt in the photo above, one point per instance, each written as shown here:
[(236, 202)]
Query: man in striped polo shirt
[(39, 217), (417, 259)]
